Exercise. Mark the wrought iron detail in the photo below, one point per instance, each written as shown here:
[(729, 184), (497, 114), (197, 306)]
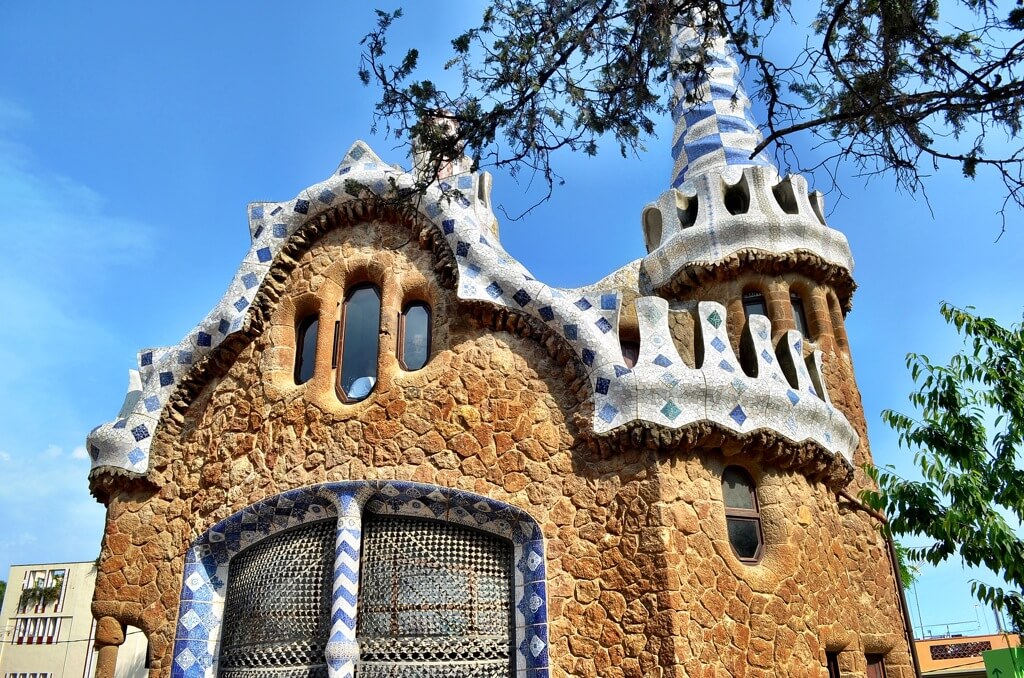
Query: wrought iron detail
[(959, 650), (277, 607), (434, 600)]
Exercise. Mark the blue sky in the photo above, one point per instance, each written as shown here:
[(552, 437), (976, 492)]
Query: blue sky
[(132, 137)]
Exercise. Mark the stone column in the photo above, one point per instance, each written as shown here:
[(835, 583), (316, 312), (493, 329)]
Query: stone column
[(109, 636)]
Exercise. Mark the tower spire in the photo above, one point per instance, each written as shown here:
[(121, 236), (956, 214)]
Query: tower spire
[(714, 127)]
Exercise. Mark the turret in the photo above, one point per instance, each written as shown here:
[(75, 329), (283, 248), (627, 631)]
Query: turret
[(731, 230)]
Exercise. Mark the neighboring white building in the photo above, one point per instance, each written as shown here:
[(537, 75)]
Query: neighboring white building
[(48, 628)]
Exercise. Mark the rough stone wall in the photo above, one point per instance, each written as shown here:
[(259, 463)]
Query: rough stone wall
[(823, 584), (641, 581)]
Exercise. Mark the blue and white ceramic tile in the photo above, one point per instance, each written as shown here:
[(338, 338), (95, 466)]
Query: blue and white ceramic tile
[(202, 597), (714, 130)]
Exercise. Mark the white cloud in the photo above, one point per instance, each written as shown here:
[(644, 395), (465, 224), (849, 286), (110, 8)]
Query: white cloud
[(80, 453), (5, 456), (53, 451)]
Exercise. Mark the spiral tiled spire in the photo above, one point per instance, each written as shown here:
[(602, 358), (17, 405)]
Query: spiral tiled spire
[(714, 128)]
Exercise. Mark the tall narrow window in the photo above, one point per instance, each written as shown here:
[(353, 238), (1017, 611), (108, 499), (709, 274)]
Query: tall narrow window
[(414, 336), (832, 662), (360, 338), (754, 304), (277, 609), (742, 518), (799, 316), (876, 666), (305, 348)]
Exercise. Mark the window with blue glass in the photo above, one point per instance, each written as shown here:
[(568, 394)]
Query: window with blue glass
[(305, 348), (360, 340), (414, 336)]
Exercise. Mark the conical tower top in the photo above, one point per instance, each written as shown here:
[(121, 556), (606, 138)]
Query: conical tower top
[(714, 128)]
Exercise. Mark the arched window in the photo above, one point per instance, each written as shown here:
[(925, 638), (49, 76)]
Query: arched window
[(360, 339), (754, 304), (305, 348), (742, 517), (799, 316), (385, 590), (414, 336)]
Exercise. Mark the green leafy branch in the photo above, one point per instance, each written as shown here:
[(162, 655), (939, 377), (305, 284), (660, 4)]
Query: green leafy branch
[(968, 436)]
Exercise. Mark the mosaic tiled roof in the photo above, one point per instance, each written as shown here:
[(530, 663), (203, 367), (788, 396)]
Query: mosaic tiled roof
[(661, 389), (725, 202), (714, 128)]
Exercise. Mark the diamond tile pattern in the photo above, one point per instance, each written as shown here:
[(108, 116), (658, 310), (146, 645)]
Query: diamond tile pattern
[(207, 563), (587, 318)]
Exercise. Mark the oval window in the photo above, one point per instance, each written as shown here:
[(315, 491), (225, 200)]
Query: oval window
[(414, 336), (799, 316), (360, 338)]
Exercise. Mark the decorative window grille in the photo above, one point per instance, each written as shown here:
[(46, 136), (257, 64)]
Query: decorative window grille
[(278, 604), (434, 601), (959, 650)]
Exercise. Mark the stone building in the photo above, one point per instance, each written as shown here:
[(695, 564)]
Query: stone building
[(47, 628), (390, 451)]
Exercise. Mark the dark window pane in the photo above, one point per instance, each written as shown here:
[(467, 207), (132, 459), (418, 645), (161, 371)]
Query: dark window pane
[(737, 489), (415, 336), (630, 353), (305, 344), (799, 317), (361, 337), (754, 304), (876, 666), (832, 659), (744, 536)]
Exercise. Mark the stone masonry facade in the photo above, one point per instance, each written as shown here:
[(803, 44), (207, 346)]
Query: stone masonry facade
[(642, 580), (525, 422)]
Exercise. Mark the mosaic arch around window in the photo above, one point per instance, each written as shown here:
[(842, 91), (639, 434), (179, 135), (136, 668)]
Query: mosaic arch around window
[(198, 630)]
